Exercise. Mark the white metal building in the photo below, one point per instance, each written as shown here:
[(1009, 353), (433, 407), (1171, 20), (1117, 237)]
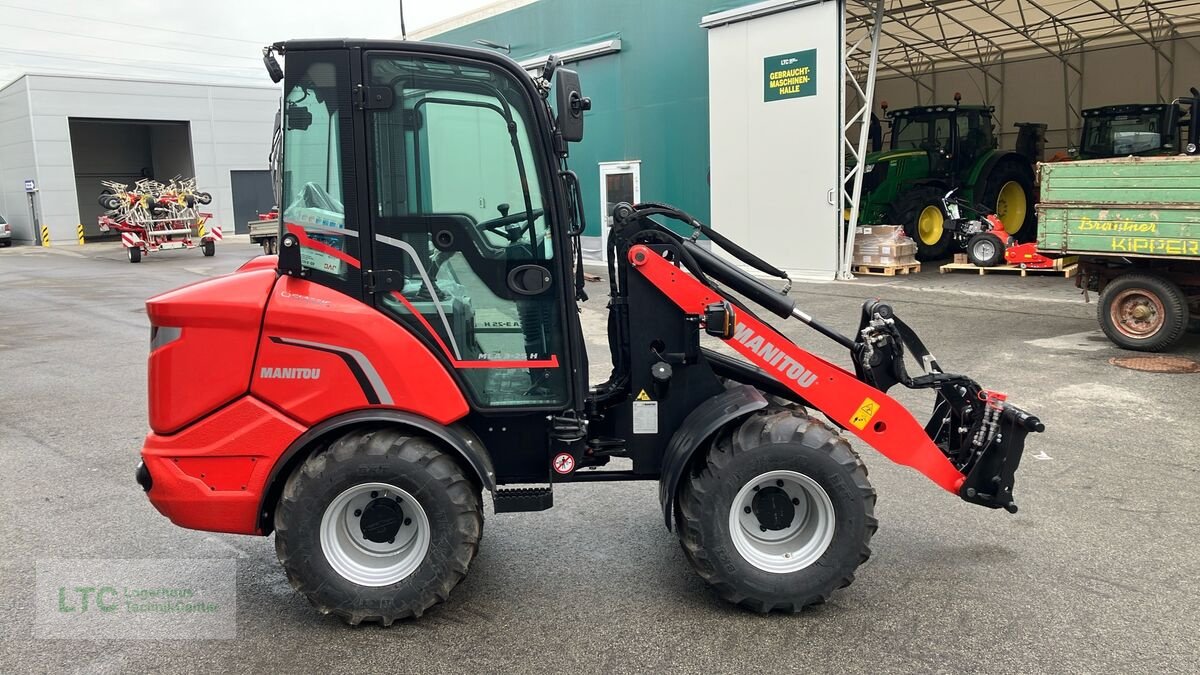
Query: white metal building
[(66, 133)]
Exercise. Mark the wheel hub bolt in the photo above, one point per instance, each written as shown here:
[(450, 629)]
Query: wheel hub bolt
[(374, 494), (796, 501), (408, 521), (778, 483), (357, 513), (762, 528)]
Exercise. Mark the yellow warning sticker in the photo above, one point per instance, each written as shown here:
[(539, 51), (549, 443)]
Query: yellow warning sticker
[(643, 396), (865, 412)]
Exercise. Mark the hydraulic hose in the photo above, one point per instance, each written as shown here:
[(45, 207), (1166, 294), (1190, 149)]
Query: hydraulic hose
[(762, 294)]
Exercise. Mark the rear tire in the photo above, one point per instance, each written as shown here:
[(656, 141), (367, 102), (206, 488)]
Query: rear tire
[(1142, 312), (1008, 192), (327, 549), (920, 212), (803, 481), (985, 250), (209, 248), (134, 253)]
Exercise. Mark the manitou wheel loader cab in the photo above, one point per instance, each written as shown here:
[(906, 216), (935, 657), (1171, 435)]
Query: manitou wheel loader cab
[(417, 342), (941, 147)]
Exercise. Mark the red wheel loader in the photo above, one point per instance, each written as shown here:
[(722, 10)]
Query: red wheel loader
[(416, 344)]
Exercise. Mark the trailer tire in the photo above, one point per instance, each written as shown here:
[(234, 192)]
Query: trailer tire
[(204, 197), (1143, 312), (134, 253), (985, 250), (814, 541), (208, 248), (358, 574)]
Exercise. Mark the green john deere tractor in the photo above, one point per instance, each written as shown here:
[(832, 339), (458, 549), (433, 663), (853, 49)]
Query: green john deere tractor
[(938, 148)]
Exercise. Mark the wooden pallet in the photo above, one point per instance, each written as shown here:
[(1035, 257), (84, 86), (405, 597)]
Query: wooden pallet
[(888, 270), (1067, 271)]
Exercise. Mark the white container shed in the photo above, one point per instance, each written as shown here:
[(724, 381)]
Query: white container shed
[(66, 133)]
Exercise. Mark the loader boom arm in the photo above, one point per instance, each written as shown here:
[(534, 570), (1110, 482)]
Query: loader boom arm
[(867, 412)]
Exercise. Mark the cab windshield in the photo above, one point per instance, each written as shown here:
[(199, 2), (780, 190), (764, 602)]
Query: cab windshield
[(1117, 135), (920, 133)]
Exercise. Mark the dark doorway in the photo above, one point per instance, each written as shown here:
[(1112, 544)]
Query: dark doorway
[(124, 151), (252, 195)]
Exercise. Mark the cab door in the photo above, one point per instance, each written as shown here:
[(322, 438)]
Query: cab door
[(460, 219)]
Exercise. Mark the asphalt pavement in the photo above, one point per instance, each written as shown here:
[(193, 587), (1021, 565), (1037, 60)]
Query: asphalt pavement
[(1097, 572)]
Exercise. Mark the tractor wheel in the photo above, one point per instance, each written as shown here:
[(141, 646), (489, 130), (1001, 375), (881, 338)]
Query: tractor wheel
[(985, 250), (209, 248), (1008, 191), (379, 527), (1142, 312), (920, 212), (134, 253), (779, 513)]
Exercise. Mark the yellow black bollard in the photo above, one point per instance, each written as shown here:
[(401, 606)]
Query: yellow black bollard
[(79, 233), (45, 236)]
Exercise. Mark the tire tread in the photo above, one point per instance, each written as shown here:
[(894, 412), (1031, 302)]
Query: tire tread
[(768, 427)]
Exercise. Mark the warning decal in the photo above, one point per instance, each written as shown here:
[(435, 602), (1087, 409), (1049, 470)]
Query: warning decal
[(643, 396), (564, 463), (865, 412)]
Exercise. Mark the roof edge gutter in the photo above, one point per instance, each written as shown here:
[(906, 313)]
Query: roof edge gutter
[(580, 53), (764, 8)]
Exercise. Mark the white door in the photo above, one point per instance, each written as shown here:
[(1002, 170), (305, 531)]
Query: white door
[(619, 182), (775, 99)]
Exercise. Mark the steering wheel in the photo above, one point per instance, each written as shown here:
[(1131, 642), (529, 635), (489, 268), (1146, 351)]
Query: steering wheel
[(512, 234)]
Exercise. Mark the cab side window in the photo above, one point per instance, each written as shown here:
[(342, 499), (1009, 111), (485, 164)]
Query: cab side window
[(459, 213)]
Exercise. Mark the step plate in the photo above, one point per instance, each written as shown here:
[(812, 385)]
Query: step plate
[(523, 499)]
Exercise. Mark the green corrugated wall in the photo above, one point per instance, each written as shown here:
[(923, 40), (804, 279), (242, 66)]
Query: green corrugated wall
[(649, 101)]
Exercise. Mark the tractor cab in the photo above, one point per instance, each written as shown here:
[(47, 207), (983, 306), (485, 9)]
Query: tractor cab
[(1133, 129), (423, 184), (952, 136)]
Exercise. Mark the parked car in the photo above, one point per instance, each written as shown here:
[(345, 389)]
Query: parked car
[(5, 232)]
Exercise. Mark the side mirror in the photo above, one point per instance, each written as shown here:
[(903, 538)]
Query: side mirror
[(273, 69), (571, 105)]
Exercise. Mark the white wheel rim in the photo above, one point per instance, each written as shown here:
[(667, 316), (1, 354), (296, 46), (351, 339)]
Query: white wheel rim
[(984, 250), (358, 558), (782, 547)]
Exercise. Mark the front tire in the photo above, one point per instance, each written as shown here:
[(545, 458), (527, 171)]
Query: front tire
[(1143, 312), (985, 250), (379, 527), (810, 513), (920, 212)]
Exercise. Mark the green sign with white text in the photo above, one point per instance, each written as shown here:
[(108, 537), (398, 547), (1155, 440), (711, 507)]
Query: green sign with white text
[(790, 75)]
